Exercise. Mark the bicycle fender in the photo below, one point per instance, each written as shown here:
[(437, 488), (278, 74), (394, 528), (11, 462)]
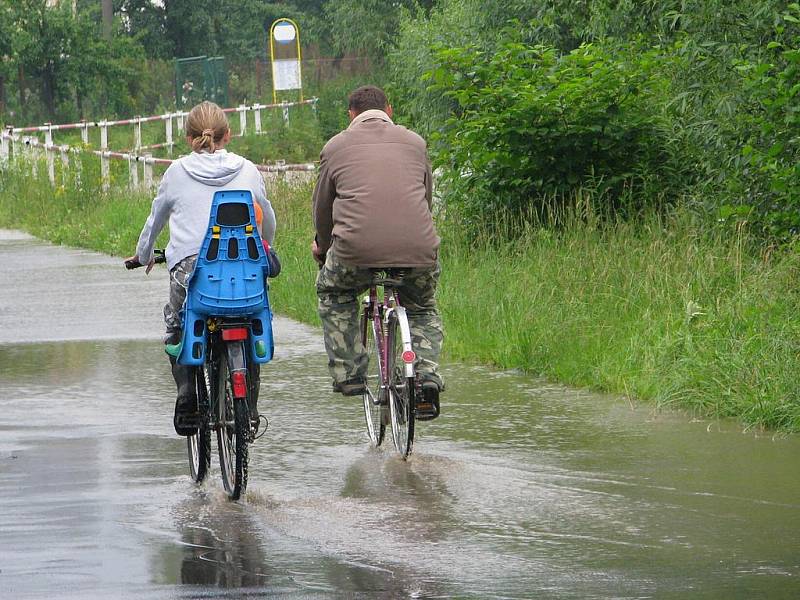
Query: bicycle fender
[(405, 336), (237, 359)]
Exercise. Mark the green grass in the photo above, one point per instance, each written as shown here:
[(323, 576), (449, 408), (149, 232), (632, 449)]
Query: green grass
[(655, 310), (664, 310)]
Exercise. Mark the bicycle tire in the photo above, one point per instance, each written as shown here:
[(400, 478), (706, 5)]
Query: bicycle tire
[(401, 387), (199, 444), (233, 428), (373, 411)]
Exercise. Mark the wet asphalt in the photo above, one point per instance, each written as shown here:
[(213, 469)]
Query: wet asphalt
[(522, 489)]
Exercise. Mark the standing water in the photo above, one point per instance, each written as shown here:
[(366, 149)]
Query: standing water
[(520, 489)]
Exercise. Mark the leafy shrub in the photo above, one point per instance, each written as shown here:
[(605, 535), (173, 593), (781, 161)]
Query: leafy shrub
[(532, 125), (332, 105), (770, 155)]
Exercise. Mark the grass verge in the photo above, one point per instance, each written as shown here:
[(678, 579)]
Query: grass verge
[(663, 310)]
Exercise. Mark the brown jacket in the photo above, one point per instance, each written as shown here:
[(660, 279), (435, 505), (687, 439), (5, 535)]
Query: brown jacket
[(372, 201)]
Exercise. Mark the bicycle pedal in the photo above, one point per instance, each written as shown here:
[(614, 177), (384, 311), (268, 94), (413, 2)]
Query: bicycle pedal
[(425, 411), (255, 430)]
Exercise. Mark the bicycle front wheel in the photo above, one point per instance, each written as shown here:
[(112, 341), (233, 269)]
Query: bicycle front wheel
[(199, 444), (374, 402), (401, 389), (233, 427)]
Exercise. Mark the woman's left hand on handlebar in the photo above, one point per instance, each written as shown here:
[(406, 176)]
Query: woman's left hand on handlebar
[(133, 261)]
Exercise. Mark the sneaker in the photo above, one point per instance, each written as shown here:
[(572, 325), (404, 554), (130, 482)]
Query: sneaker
[(427, 407), (351, 387)]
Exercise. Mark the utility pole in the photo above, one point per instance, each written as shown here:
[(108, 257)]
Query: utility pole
[(108, 17)]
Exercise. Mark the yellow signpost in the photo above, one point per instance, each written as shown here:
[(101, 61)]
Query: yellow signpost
[(284, 51)]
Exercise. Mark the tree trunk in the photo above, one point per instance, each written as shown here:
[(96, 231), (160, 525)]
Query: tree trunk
[(79, 103), (21, 87), (48, 91), (108, 17)]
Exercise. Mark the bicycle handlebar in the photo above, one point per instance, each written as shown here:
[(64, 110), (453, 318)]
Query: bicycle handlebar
[(135, 264)]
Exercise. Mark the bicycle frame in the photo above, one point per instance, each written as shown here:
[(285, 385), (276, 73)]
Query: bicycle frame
[(381, 313), (391, 390)]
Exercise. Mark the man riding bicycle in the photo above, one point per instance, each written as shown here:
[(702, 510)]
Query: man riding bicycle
[(372, 212)]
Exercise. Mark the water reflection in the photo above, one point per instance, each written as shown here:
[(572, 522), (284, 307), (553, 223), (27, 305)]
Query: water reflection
[(420, 502), (220, 547)]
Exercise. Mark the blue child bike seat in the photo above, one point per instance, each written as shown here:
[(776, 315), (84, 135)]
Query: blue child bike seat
[(229, 279)]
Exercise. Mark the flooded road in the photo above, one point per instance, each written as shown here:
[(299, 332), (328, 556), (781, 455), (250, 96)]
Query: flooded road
[(522, 489)]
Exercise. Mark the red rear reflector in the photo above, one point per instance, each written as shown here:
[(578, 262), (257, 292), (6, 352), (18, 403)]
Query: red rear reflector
[(239, 380), (234, 335), (409, 356)]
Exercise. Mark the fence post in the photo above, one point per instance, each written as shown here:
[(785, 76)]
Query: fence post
[(169, 133), (285, 108), (257, 117), (148, 172), (15, 152), (64, 162), (104, 166), (180, 116), (48, 151), (84, 131), (242, 110), (137, 134), (4, 148), (30, 154), (133, 172), (314, 107)]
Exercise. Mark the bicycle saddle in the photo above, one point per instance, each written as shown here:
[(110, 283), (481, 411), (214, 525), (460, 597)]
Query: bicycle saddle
[(391, 277)]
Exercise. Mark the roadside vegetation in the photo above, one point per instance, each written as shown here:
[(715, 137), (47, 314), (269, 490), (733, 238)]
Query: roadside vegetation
[(659, 310), (617, 181)]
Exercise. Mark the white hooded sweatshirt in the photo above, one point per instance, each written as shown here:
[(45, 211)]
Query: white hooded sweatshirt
[(184, 198)]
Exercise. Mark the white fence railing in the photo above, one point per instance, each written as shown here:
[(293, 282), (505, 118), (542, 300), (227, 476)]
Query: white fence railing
[(14, 142)]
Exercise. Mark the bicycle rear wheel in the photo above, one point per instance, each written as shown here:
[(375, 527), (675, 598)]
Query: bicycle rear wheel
[(401, 389), (199, 444), (374, 404), (233, 427)]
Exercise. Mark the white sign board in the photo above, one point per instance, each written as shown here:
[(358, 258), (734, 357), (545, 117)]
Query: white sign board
[(284, 32), (286, 74)]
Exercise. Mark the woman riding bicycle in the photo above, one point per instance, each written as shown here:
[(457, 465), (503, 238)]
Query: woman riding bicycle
[(184, 201)]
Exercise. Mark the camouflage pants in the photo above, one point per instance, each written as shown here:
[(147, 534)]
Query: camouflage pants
[(338, 289), (178, 283)]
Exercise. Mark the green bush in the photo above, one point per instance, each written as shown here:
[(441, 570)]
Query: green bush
[(332, 104), (532, 125), (770, 155)]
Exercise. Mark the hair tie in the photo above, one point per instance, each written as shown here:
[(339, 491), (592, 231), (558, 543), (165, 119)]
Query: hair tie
[(209, 132)]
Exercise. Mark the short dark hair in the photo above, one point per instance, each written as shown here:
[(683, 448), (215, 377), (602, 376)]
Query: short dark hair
[(367, 97)]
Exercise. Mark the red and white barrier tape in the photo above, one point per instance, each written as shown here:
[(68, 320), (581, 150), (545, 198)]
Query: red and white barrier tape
[(164, 117), (35, 142)]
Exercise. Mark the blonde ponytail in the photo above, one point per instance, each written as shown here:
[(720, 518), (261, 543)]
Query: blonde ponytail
[(206, 125)]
